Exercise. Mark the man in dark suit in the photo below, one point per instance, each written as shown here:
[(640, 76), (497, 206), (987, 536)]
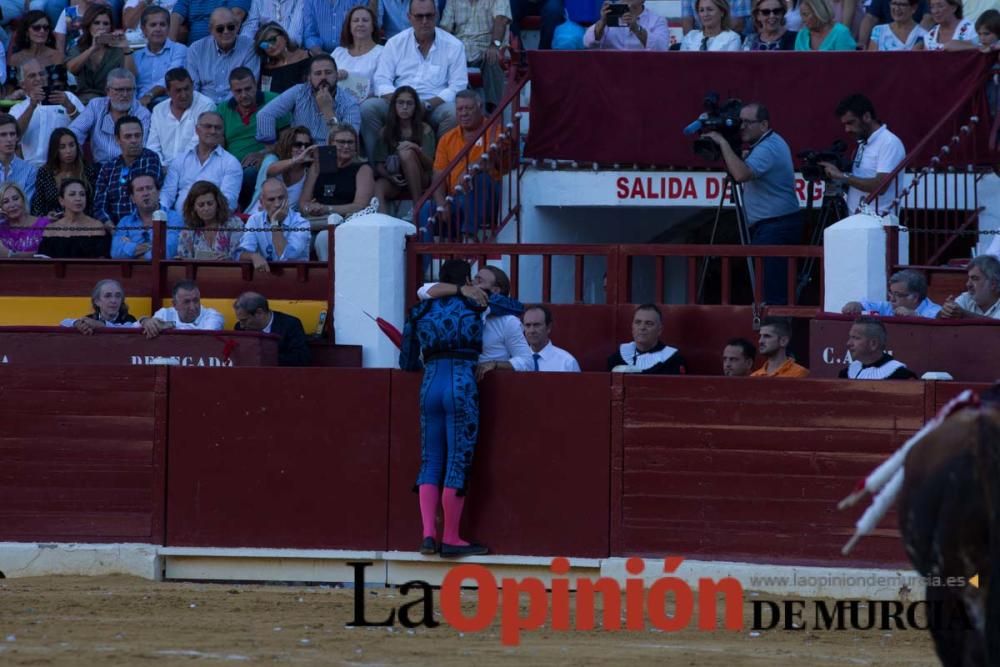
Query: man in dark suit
[(253, 314)]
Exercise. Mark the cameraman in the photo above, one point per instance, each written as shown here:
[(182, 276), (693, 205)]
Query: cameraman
[(633, 30), (879, 153), (772, 208)]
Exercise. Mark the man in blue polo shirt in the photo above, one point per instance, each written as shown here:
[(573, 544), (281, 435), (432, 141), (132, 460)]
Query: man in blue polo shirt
[(768, 176)]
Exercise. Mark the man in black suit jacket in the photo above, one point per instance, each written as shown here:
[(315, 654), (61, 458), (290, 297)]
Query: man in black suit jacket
[(253, 314)]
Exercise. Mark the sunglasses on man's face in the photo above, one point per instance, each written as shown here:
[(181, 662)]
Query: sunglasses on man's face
[(229, 27)]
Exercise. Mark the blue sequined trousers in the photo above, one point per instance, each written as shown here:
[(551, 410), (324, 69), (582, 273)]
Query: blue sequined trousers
[(448, 332)]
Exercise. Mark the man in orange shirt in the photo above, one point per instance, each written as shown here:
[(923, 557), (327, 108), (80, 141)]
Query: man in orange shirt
[(476, 205), (775, 335)]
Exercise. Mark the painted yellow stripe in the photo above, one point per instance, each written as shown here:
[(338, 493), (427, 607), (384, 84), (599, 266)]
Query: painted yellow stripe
[(50, 310)]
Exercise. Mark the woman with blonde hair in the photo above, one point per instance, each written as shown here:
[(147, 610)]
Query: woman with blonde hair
[(820, 29), (345, 190), (715, 34), (20, 232), (210, 232)]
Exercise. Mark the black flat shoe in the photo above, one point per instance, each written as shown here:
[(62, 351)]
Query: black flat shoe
[(429, 546), (457, 551)]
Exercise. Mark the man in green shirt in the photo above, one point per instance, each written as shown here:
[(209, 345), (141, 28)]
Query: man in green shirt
[(239, 119)]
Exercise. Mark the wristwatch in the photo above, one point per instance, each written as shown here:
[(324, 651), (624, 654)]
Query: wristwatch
[(497, 43)]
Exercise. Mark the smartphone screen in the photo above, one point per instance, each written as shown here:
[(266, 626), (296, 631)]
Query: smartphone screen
[(327, 159)]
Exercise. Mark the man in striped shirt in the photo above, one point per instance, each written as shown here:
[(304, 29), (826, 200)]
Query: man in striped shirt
[(317, 104), (97, 122), (210, 60)]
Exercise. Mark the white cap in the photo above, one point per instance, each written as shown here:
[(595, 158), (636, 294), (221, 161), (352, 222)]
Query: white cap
[(936, 375)]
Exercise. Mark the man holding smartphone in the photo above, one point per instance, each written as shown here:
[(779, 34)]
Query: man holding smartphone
[(48, 107), (627, 26)]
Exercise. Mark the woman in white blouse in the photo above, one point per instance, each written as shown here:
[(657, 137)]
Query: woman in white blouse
[(357, 56), (903, 34), (950, 32), (715, 34)]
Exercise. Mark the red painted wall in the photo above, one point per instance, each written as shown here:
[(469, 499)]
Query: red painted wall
[(740, 468), (583, 465), (290, 457), (539, 482), (82, 454)]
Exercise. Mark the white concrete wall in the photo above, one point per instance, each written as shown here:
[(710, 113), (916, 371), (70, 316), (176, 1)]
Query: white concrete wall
[(370, 272), (854, 266), (29, 559)]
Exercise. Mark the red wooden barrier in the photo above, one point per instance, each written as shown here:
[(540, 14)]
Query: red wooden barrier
[(82, 454), (581, 465), (540, 478), (959, 347), (291, 457), (748, 469)]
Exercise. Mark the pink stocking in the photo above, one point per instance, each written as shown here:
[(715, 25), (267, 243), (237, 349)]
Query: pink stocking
[(453, 505), (429, 496)]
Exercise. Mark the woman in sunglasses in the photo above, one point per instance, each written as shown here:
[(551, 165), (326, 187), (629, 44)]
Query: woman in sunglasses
[(346, 188), (34, 39), (293, 155), (771, 33), (99, 51), (283, 63)]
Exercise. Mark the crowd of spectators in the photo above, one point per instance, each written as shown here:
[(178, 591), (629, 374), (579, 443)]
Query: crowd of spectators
[(343, 104)]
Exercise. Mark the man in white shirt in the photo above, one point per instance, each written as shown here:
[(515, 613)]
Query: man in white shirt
[(426, 58), (537, 323), (276, 234), (207, 161), (186, 313), (982, 295), (879, 153), (38, 116), (172, 128), (504, 345)]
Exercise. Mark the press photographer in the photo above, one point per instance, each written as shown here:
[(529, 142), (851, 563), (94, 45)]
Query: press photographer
[(627, 26), (768, 179), (879, 153)]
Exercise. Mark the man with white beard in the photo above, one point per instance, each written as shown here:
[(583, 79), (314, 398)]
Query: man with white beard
[(97, 122)]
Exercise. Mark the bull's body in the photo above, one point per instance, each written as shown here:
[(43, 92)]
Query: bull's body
[(949, 516)]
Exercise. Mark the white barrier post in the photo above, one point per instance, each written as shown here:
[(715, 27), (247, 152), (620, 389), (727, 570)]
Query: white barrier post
[(854, 266), (370, 270)]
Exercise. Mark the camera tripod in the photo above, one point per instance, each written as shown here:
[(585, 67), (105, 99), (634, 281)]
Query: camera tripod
[(741, 226), (833, 209)]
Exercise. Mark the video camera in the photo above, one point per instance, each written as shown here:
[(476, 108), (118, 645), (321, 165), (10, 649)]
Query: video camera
[(724, 119), (812, 170)]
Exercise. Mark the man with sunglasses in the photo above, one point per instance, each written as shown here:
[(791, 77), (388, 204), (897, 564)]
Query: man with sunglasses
[(211, 59), (112, 197), (190, 20), (768, 178)]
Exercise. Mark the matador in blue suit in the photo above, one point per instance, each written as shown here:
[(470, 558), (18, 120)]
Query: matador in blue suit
[(447, 333)]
